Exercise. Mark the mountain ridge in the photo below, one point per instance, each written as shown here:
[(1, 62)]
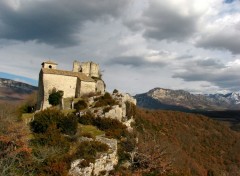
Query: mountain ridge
[(159, 98), (14, 91)]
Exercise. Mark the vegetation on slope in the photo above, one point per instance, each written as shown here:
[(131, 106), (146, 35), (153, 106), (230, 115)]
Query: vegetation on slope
[(169, 143), (177, 142)]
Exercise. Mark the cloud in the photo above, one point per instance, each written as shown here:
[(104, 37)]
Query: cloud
[(55, 22), (222, 34), (213, 72), (135, 61), (169, 20), (148, 59)]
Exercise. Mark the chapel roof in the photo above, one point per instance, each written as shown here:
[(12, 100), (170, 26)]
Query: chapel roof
[(50, 62), (79, 75)]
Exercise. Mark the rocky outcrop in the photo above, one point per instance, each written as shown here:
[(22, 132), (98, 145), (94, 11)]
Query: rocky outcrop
[(105, 161), (103, 164)]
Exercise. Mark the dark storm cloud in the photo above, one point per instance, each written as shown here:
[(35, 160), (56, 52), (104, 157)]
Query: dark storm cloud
[(165, 22), (222, 41), (134, 61), (211, 71), (212, 63), (53, 22)]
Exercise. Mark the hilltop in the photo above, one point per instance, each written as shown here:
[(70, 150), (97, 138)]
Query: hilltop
[(14, 91)]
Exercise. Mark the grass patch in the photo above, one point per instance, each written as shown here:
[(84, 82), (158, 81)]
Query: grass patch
[(26, 117), (90, 129), (68, 111)]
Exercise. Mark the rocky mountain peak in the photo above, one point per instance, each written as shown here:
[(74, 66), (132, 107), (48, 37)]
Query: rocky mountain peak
[(160, 98)]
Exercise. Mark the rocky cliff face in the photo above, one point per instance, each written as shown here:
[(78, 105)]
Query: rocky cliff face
[(160, 98)]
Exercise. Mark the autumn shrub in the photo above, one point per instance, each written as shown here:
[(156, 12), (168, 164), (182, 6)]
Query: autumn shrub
[(80, 105), (54, 167), (15, 153)]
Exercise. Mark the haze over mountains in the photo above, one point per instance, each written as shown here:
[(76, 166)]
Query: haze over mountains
[(14, 91), (159, 98)]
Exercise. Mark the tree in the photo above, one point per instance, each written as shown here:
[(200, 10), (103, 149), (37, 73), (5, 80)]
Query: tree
[(55, 97)]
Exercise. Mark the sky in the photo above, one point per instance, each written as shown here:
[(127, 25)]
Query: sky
[(139, 44)]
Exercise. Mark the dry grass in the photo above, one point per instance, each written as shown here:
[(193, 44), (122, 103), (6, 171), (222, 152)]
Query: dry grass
[(90, 129)]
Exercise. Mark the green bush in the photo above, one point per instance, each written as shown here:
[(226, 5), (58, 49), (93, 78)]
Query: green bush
[(55, 97), (68, 124), (112, 127), (42, 121), (80, 105), (115, 91), (51, 137)]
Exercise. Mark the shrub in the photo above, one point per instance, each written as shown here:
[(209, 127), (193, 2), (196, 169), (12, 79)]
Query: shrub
[(106, 109), (86, 119), (105, 100), (130, 109), (115, 91), (80, 105), (88, 150), (112, 127), (51, 137), (88, 135), (42, 121), (55, 97), (68, 124)]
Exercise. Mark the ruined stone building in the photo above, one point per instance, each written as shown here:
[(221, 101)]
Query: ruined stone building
[(84, 78)]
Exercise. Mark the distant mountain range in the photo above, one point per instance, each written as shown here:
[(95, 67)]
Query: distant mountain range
[(14, 91), (159, 98)]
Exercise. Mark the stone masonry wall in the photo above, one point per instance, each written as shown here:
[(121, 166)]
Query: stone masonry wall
[(60, 82), (87, 87)]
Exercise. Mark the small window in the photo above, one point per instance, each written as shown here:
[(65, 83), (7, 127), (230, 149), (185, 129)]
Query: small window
[(50, 66)]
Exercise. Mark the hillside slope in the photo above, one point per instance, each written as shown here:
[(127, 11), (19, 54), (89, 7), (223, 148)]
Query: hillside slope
[(188, 143), (14, 91)]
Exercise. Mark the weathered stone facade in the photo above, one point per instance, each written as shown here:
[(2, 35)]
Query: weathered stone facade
[(73, 83)]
